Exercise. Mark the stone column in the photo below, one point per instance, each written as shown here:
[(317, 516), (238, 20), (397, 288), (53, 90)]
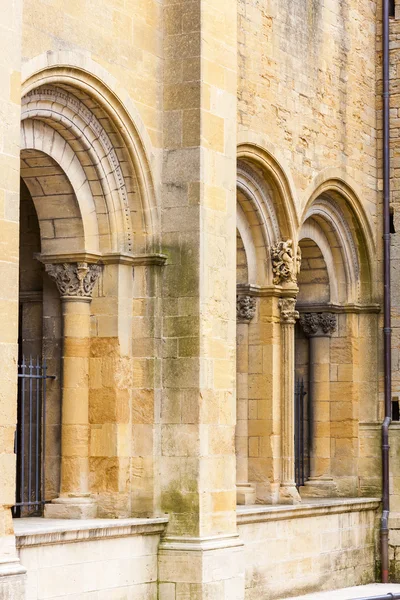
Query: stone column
[(319, 327), (288, 490), (75, 282), (245, 311), (201, 555)]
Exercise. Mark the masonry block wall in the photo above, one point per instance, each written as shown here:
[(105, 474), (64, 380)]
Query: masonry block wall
[(11, 575)]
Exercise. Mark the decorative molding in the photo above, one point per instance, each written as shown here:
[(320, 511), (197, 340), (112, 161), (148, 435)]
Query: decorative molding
[(109, 258), (36, 296), (254, 186), (62, 105), (245, 308), (329, 204), (41, 533), (268, 291), (344, 308), (308, 509), (289, 314), (318, 324), (200, 544), (285, 265), (74, 280)]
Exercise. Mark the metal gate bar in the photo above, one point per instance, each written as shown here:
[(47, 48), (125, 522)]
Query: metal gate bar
[(301, 436), (30, 439)]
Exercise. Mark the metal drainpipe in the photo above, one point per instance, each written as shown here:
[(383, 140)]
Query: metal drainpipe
[(387, 331)]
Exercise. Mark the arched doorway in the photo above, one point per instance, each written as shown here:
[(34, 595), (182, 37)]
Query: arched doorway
[(87, 207)]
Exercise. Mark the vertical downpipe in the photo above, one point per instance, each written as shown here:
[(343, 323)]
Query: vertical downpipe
[(387, 331)]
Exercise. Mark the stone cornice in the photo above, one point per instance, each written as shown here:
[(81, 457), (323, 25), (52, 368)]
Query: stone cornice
[(269, 291), (196, 544), (265, 514), (335, 308), (105, 259), (45, 532), (36, 296)]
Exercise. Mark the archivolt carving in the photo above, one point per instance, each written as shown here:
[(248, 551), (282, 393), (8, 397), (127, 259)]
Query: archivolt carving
[(57, 104), (254, 186), (331, 212)]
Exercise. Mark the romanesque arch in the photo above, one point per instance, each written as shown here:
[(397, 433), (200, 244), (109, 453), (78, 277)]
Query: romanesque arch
[(88, 174), (335, 339)]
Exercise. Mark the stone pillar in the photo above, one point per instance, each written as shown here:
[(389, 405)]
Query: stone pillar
[(201, 555), (288, 490), (245, 311), (75, 282), (319, 327)]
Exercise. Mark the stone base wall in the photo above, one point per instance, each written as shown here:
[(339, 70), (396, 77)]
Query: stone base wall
[(99, 559), (323, 545), (285, 551)]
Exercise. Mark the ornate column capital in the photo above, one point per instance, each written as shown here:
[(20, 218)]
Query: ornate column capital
[(289, 314), (74, 280), (245, 308), (285, 265), (318, 324)]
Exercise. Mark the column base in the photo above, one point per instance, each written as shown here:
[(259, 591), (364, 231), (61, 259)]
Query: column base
[(201, 568), (12, 580), (245, 493), (288, 494), (319, 487), (71, 508)]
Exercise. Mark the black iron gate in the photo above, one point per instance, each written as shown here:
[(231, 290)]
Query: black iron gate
[(301, 434), (30, 437)]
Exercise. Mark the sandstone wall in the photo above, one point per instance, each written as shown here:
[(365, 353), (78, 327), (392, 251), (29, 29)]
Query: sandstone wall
[(10, 66), (122, 37), (307, 87), (107, 560), (298, 550)]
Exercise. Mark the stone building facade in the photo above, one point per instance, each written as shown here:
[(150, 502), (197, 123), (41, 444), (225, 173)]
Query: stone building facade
[(190, 237)]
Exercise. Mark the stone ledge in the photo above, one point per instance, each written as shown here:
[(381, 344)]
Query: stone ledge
[(39, 532), (314, 508), (195, 544)]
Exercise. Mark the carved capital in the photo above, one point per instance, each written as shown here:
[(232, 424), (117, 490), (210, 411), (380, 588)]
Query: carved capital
[(74, 280), (289, 314), (245, 308), (318, 324), (285, 265)]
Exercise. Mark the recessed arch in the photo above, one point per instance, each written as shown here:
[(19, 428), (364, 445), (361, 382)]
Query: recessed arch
[(269, 170), (76, 202), (312, 231), (245, 233), (337, 210), (75, 72)]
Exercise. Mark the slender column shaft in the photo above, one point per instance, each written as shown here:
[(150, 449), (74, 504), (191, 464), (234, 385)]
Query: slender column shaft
[(75, 282), (242, 412), (245, 311), (319, 328), (288, 491), (320, 394), (75, 397)]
